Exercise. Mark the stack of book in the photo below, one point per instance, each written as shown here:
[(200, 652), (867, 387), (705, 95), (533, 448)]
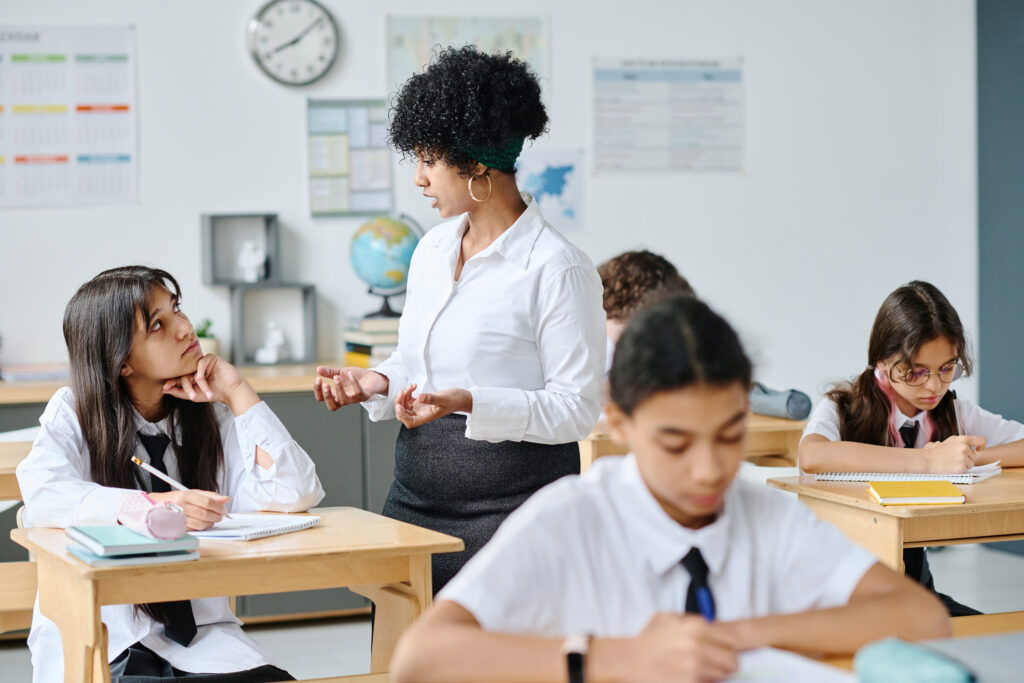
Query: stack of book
[(373, 341), (115, 545)]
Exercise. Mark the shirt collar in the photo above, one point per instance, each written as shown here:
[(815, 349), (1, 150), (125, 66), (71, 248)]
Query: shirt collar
[(660, 540), (900, 419), (151, 428), (514, 245)]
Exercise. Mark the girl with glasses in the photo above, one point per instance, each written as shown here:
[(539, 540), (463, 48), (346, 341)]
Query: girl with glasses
[(899, 414)]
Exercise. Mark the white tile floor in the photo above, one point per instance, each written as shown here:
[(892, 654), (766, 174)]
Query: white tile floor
[(986, 579)]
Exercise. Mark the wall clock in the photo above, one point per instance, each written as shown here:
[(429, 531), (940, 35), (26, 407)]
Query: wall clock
[(295, 42)]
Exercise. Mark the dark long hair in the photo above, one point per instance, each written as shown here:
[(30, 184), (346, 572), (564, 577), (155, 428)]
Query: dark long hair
[(673, 344), (99, 327), (910, 317)]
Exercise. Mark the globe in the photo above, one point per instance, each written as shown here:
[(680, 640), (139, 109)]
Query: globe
[(380, 253)]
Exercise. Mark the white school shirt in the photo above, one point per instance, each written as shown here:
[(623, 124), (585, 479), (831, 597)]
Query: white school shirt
[(597, 554), (523, 329), (971, 420), (57, 490)]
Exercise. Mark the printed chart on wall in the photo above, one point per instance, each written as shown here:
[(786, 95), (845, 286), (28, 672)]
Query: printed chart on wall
[(349, 161), (412, 41), (678, 115), (67, 116)]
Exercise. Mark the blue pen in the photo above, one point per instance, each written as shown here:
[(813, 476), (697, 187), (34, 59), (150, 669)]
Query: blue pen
[(705, 603)]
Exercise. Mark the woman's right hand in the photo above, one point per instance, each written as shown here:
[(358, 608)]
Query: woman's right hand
[(202, 508), (955, 455), (339, 387)]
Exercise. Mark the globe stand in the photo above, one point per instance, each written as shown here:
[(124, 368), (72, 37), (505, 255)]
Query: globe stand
[(385, 310)]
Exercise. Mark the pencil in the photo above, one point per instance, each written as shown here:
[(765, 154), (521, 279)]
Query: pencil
[(160, 475)]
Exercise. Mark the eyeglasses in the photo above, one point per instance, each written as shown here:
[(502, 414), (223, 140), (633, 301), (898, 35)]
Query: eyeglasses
[(919, 375)]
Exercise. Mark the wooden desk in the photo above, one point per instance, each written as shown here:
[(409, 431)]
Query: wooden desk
[(265, 379), (11, 453), (994, 511), (383, 559), (766, 436)]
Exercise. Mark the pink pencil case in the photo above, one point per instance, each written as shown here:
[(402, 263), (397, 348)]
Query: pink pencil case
[(139, 512)]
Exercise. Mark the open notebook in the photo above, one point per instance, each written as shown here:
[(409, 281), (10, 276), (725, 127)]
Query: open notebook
[(971, 476), (243, 527)]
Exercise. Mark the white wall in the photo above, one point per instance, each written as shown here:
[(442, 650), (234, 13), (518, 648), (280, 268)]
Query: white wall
[(861, 170)]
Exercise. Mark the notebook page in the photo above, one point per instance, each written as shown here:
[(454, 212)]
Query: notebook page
[(243, 526)]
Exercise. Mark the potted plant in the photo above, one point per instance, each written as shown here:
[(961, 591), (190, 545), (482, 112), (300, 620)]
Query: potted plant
[(207, 342)]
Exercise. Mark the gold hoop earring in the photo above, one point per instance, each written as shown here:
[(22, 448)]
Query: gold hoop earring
[(490, 188)]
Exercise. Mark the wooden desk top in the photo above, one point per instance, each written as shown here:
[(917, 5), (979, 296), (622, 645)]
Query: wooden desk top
[(265, 379), (1003, 492), (755, 423), (11, 453), (356, 533)]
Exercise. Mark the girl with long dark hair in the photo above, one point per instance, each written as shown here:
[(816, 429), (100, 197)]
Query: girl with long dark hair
[(900, 415), (141, 387)]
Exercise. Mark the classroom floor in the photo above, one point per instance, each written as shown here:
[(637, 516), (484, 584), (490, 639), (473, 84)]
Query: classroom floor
[(986, 579)]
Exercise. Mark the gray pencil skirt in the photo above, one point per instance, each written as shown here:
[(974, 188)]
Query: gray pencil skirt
[(466, 488)]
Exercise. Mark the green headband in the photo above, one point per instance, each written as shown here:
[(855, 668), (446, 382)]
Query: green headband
[(501, 158)]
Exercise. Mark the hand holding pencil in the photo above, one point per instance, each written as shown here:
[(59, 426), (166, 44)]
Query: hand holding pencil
[(202, 508)]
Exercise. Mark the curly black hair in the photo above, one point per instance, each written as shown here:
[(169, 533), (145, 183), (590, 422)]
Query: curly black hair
[(466, 100)]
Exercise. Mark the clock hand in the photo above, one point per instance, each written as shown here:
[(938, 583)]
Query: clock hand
[(299, 37)]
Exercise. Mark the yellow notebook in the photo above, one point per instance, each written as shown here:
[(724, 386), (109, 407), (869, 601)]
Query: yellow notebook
[(915, 492), (359, 360)]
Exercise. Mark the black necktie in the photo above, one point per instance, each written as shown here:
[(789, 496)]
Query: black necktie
[(698, 596), (909, 434), (181, 622)]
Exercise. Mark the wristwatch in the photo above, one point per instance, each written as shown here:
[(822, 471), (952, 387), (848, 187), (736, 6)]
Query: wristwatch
[(575, 649)]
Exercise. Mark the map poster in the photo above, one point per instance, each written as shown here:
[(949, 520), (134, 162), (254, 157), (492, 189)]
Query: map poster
[(67, 116), (555, 179), (412, 41), (668, 115)]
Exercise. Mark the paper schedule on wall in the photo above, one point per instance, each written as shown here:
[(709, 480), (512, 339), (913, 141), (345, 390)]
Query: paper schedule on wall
[(349, 161), (668, 115), (67, 116)]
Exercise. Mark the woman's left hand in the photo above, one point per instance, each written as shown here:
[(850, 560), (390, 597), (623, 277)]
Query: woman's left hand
[(215, 379), (413, 412)]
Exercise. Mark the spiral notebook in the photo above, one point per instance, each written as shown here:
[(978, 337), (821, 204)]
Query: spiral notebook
[(243, 527), (971, 476)]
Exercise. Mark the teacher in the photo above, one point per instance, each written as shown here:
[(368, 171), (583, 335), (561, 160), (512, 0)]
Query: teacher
[(501, 344)]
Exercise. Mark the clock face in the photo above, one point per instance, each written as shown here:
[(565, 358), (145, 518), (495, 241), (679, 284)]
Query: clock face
[(293, 41)]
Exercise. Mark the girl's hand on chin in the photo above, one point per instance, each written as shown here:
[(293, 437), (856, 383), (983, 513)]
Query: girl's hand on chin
[(214, 380)]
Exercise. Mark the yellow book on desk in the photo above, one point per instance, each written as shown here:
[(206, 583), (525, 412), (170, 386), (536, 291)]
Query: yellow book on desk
[(915, 492)]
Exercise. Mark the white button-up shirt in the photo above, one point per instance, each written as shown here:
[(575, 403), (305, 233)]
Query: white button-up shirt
[(971, 420), (523, 329), (58, 492), (597, 554)]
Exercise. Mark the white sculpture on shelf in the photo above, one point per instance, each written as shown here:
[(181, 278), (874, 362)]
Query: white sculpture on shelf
[(274, 349), (252, 260)]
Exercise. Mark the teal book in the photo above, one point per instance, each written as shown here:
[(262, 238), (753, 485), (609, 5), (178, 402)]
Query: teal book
[(107, 541), (123, 560)]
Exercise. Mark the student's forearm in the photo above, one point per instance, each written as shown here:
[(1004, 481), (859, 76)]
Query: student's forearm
[(1008, 455), (843, 630), (468, 653), (850, 456)]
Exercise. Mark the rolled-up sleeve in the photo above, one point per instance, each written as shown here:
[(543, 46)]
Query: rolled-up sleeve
[(289, 485), (571, 343)]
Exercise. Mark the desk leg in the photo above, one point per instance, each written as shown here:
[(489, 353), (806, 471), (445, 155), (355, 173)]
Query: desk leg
[(397, 606), (881, 534), (588, 453), (74, 607)]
